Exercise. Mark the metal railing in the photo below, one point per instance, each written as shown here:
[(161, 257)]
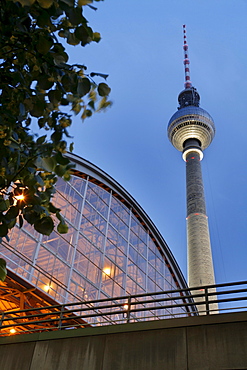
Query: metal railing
[(203, 300)]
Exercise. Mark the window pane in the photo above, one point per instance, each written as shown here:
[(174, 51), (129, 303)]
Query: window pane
[(133, 254), (112, 235), (121, 259), (78, 184), (130, 286)]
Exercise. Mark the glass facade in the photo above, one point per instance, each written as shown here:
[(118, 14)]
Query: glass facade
[(108, 251)]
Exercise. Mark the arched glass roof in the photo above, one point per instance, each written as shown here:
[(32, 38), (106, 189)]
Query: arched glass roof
[(112, 247)]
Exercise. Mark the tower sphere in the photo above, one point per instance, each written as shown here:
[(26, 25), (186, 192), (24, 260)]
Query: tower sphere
[(190, 122)]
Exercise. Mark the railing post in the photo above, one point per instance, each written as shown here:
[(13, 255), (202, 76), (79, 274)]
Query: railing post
[(207, 302), (2, 317), (60, 322), (128, 311)]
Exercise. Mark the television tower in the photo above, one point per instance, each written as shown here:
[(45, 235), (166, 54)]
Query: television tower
[(191, 130)]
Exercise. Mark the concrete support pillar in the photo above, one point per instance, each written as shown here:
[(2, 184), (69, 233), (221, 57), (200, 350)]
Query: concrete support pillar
[(200, 262)]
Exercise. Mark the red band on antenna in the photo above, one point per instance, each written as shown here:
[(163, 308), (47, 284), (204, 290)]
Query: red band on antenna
[(188, 83)]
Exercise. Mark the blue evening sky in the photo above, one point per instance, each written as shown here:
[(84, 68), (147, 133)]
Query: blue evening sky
[(141, 50)]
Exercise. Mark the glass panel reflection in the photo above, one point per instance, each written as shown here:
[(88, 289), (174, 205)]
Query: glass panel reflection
[(106, 252)]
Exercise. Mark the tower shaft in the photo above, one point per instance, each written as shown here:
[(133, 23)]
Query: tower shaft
[(200, 262), (191, 130)]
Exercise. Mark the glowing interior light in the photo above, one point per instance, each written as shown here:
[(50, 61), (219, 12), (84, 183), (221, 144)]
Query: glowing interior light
[(107, 271), (126, 306), (12, 331), (187, 151), (19, 197), (46, 288)]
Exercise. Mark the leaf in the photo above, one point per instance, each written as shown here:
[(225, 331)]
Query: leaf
[(91, 104), (40, 210), (71, 147), (68, 2), (44, 44), (31, 169), (48, 164), (59, 217), (44, 225), (11, 223), (41, 122), (45, 3), (45, 83), (66, 176), (13, 212), (30, 216), (3, 230), (103, 104), (61, 159), (39, 180), (2, 181), (72, 40), (86, 113), (22, 109), (84, 2), (76, 108), (83, 33), (54, 96), (56, 136), (41, 140), (92, 74), (81, 66), (60, 170), (75, 16), (92, 7), (103, 89), (26, 2), (38, 107), (3, 270), (69, 82), (62, 227), (43, 19), (53, 209), (83, 87), (61, 59), (4, 205), (96, 36), (20, 221)]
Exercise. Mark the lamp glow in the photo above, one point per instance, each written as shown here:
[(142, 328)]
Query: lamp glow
[(107, 271), (12, 331), (20, 197)]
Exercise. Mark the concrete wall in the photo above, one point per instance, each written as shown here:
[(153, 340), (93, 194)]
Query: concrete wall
[(212, 342)]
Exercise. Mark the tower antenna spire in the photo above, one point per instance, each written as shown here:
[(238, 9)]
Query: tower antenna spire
[(187, 83)]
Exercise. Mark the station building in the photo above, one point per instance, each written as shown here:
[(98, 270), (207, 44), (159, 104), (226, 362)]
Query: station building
[(112, 249)]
